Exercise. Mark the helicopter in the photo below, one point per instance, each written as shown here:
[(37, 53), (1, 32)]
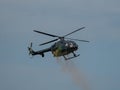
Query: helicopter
[(61, 47)]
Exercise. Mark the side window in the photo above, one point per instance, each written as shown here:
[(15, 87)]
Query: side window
[(66, 44), (71, 44)]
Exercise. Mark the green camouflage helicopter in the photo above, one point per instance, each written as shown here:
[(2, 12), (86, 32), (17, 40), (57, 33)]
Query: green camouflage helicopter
[(61, 47)]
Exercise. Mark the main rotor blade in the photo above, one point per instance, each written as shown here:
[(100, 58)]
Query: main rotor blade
[(48, 42), (78, 40), (45, 33), (74, 31)]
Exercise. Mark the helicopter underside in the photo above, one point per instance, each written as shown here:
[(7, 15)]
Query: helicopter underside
[(58, 54)]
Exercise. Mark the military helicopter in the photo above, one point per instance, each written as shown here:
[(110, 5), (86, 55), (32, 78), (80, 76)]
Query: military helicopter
[(61, 47)]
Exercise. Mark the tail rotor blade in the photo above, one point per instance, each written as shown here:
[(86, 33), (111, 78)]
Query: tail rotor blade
[(30, 48)]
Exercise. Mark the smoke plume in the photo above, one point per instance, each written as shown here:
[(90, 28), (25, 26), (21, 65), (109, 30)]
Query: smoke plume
[(76, 74)]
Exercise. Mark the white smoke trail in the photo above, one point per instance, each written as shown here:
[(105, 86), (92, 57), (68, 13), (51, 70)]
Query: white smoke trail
[(78, 77)]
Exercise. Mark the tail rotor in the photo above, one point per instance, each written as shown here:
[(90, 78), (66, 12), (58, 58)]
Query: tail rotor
[(30, 49)]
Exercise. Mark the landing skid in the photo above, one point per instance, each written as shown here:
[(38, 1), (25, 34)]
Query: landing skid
[(71, 57)]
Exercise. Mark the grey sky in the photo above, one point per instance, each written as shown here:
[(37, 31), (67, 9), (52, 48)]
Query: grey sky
[(99, 59)]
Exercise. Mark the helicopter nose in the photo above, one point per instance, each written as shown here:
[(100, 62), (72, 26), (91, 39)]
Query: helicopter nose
[(75, 46)]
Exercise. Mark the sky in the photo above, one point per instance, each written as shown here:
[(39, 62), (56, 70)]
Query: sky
[(98, 61)]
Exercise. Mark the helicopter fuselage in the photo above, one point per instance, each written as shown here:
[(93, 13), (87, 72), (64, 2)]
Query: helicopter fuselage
[(63, 47)]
